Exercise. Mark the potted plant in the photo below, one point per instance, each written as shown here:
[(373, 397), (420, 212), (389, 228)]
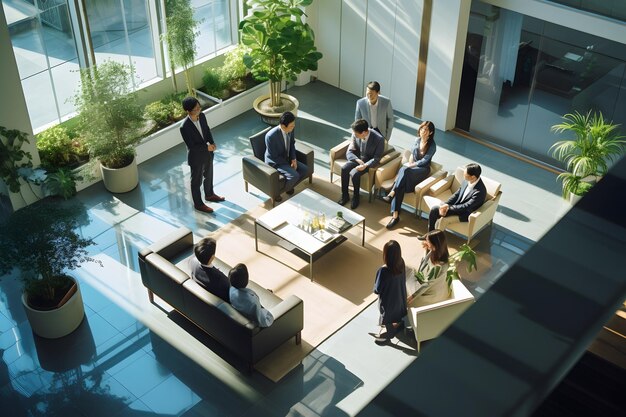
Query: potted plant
[(110, 120), (42, 241), (281, 45), (597, 143), (13, 159), (180, 37)]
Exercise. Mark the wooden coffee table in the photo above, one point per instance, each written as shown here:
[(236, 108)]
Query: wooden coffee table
[(285, 222)]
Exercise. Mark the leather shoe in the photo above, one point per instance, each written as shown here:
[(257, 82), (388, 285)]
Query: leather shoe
[(393, 222), (355, 203), (278, 199), (342, 201), (215, 198), (290, 192), (205, 209), (387, 199)]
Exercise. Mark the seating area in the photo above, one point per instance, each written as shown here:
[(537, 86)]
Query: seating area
[(126, 340)]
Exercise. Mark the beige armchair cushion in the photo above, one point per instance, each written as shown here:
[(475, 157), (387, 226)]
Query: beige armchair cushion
[(429, 321)]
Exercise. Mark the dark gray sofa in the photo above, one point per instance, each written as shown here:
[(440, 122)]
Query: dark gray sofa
[(266, 178), (172, 283)]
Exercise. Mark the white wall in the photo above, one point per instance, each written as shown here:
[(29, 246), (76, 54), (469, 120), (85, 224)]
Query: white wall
[(367, 40), (352, 41)]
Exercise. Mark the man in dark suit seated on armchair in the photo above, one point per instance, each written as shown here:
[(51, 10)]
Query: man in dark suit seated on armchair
[(468, 198), (280, 152)]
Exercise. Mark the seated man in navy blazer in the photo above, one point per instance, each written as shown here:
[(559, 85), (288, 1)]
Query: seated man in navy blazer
[(204, 273), (280, 152), (468, 198), (364, 152)]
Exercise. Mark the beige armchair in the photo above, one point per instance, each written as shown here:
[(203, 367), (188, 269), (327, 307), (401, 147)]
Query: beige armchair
[(338, 160), (385, 177), (429, 321), (479, 219)]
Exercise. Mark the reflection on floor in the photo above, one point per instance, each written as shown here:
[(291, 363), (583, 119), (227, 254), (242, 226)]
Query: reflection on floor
[(123, 362)]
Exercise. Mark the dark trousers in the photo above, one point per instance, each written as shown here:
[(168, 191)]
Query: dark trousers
[(292, 176), (202, 175), (349, 171), (405, 182)]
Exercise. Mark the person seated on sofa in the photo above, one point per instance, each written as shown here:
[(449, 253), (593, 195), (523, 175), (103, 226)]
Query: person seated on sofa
[(245, 300), (205, 274)]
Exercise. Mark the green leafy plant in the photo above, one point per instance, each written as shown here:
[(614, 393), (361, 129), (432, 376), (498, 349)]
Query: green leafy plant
[(61, 183), (281, 44), (165, 112), (234, 71), (42, 241), (109, 114), (214, 83), (58, 150), (597, 143), (180, 38), (13, 159)]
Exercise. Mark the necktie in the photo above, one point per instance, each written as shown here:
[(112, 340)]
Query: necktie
[(363, 145), (286, 136)]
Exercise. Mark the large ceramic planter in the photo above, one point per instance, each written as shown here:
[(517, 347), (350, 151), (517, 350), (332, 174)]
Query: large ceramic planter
[(121, 180), (59, 322), (272, 116)]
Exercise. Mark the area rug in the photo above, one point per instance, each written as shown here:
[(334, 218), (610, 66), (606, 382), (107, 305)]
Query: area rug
[(343, 278)]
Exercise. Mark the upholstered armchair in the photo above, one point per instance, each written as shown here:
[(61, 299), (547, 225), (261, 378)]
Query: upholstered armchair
[(441, 191), (429, 321), (385, 177), (338, 159), (266, 178)]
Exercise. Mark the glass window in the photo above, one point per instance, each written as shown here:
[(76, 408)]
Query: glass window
[(521, 75), (45, 52), (214, 27), (120, 31), (615, 9)]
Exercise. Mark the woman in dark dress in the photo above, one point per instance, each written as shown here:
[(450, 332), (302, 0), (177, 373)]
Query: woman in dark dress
[(416, 170), (390, 286)]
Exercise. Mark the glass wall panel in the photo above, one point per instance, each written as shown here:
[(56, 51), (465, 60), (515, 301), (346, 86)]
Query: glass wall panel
[(615, 9), (45, 52), (214, 28), (521, 74), (120, 31)]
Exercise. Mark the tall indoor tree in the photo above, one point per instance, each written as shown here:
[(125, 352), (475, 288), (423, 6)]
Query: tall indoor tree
[(180, 38), (281, 43)]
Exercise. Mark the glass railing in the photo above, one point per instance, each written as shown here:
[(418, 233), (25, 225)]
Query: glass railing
[(615, 9)]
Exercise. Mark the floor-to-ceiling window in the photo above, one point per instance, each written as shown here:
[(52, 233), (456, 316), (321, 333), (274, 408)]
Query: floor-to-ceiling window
[(521, 74), (49, 44)]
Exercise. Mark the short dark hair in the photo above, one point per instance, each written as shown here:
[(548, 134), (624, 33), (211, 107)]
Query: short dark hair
[(189, 103), (286, 118), (238, 276), (392, 255), (438, 239), (360, 125), (205, 250), (473, 170), (374, 85)]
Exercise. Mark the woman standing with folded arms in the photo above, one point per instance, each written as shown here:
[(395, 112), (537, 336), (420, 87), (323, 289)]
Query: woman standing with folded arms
[(390, 286), (416, 170)]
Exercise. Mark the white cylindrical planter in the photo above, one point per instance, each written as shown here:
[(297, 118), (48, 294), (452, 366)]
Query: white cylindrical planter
[(59, 322), (271, 117), (121, 180)]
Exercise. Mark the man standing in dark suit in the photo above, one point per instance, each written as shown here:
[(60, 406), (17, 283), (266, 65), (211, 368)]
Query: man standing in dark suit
[(280, 152), (363, 153), (468, 198), (204, 273), (200, 148)]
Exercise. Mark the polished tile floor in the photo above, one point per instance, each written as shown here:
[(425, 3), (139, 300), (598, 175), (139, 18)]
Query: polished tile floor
[(131, 359)]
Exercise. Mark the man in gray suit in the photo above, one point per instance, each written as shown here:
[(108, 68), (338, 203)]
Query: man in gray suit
[(280, 152), (376, 109), (364, 152)]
